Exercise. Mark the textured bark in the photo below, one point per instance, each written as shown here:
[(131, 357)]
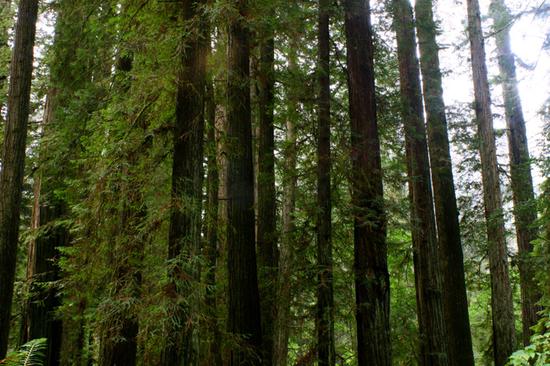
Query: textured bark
[(280, 356), (13, 157), (187, 176), (427, 269), (455, 299), (244, 303), (325, 295), (371, 269), (267, 234), (525, 212), (501, 300)]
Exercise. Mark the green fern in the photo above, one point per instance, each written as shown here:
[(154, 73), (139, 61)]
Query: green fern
[(30, 354)]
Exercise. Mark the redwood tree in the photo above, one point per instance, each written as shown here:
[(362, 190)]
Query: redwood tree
[(501, 299), (370, 265), (325, 295), (455, 299), (433, 342), (13, 156), (267, 234), (523, 195), (243, 304), (187, 176)]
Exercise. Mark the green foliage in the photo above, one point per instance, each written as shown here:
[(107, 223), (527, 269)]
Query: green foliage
[(538, 352), (31, 353)]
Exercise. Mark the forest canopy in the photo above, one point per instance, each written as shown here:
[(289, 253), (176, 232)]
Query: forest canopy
[(274, 182)]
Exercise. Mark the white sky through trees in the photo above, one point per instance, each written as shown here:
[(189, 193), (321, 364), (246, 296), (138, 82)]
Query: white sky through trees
[(528, 35)]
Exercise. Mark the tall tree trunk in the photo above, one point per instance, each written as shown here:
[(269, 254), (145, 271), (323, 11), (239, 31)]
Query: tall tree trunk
[(13, 157), (427, 269), (455, 299), (372, 284), (187, 177), (325, 295), (39, 319), (212, 222), (267, 235), (525, 212), (501, 301), (244, 303), (288, 227)]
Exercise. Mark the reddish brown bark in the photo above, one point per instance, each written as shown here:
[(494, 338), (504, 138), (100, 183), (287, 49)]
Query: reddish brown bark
[(433, 342), (13, 157), (370, 266)]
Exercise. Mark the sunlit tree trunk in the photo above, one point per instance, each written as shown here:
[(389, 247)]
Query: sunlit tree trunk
[(455, 300), (525, 211), (501, 292), (371, 269)]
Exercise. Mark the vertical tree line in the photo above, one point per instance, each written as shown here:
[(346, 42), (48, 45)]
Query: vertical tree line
[(13, 156), (501, 292), (198, 183)]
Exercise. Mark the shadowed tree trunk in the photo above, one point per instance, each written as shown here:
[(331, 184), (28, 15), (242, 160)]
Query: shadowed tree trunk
[(325, 295), (372, 284), (455, 300), (267, 234), (525, 212), (427, 269), (244, 303), (501, 299), (187, 176), (13, 157)]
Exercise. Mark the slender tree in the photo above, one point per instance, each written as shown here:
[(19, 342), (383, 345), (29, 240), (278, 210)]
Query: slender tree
[(5, 17), (212, 230), (39, 319), (325, 296), (501, 300), (455, 300), (371, 269), (13, 156), (187, 177), (520, 166), (290, 183), (427, 269), (267, 229), (244, 304)]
